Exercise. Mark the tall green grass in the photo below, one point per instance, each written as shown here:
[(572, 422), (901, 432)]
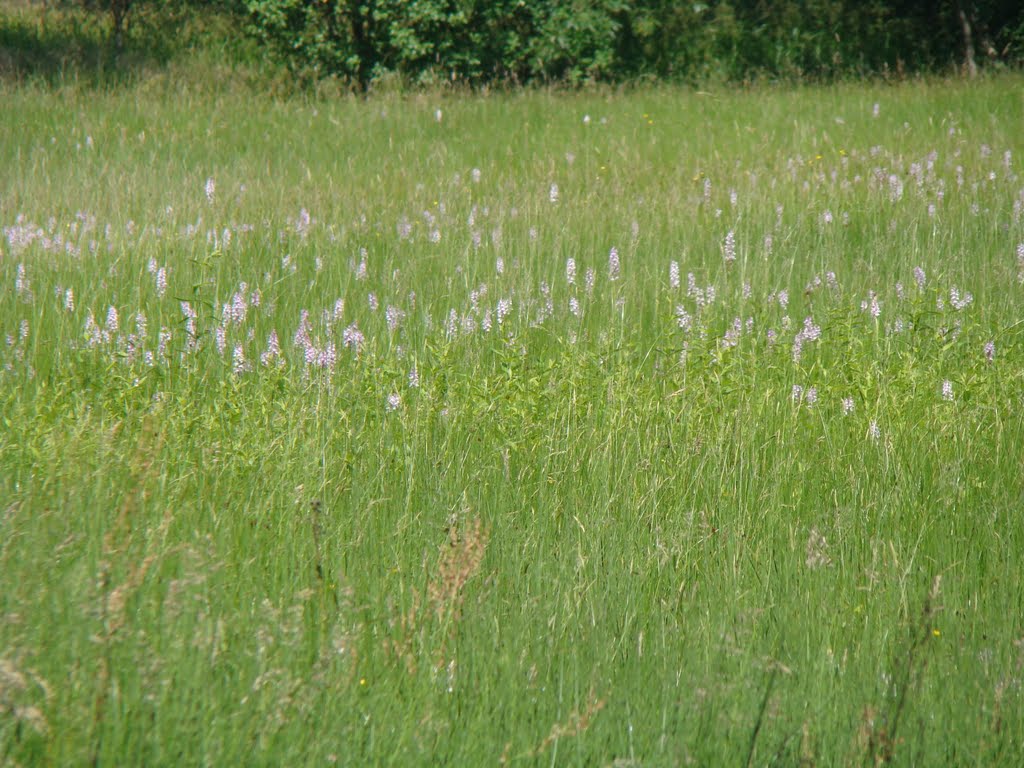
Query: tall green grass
[(600, 538)]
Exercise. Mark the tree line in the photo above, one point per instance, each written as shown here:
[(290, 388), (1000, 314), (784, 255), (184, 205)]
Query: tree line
[(577, 41)]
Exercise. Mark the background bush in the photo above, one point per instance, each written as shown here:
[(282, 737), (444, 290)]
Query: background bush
[(594, 40), (478, 42)]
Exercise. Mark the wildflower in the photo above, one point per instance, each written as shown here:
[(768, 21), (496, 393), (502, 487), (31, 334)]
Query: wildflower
[(394, 401), (301, 338), (273, 350), (311, 354), (21, 284), (221, 338), (93, 335), (797, 393), (947, 390), (553, 193), (895, 188), (371, 300), (729, 247), (783, 298), (613, 264), (990, 350), (302, 224), (475, 175), (394, 317), (732, 334), (112, 321), (163, 339), (574, 306), (361, 269), (549, 304), (873, 430), (811, 396), (504, 309), (570, 271), (238, 360), (810, 331), (352, 337), (871, 305), (414, 377), (475, 296), (239, 307), (847, 406), (69, 300), (499, 265), (210, 188), (673, 274), (327, 357), (768, 243), (959, 301), (161, 282), (589, 279), (919, 278)]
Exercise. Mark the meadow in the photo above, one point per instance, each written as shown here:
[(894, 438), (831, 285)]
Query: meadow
[(630, 427)]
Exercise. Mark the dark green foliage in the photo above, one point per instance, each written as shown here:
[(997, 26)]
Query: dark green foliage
[(119, 14), (466, 40), (577, 41)]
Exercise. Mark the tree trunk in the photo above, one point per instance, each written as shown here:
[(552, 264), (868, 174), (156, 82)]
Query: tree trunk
[(361, 28), (119, 21), (970, 65)]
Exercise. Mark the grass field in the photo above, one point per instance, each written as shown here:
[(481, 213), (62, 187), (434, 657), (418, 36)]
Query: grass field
[(635, 429)]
